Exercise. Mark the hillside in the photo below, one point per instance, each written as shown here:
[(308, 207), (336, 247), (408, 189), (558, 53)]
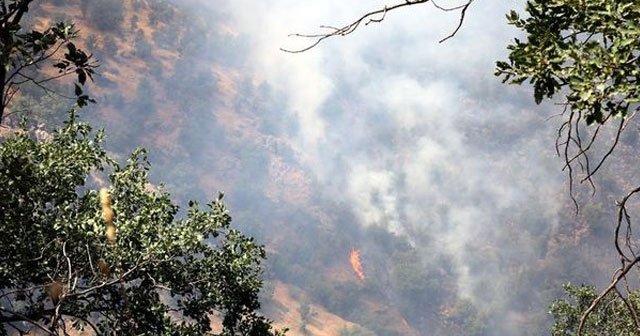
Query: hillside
[(176, 79), (140, 72)]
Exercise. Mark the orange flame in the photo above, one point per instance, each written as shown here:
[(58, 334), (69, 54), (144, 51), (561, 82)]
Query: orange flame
[(356, 264)]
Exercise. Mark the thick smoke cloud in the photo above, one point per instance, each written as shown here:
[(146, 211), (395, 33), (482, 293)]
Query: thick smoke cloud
[(413, 135)]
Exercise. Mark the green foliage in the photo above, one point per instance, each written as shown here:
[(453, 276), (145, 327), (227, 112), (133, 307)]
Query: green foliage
[(588, 52), (22, 53), (38, 108), (588, 47), (466, 319), (161, 275), (419, 286), (611, 317)]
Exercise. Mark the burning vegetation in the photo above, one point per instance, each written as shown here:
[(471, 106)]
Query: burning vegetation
[(356, 263)]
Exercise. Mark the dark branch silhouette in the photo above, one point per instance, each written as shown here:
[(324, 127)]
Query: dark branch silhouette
[(375, 16), (24, 50)]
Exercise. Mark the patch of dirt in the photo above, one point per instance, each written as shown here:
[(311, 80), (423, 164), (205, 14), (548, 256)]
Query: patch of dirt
[(319, 322)]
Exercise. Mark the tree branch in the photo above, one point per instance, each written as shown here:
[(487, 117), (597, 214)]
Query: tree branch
[(630, 307), (463, 12), (374, 16), (627, 264), (108, 283), (26, 319), (621, 273)]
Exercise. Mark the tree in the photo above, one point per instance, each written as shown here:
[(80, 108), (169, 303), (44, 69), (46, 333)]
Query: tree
[(612, 317), (115, 261), (23, 53), (588, 52), (118, 261)]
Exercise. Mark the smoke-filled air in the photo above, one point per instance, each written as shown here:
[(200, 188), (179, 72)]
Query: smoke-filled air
[(398, 186)]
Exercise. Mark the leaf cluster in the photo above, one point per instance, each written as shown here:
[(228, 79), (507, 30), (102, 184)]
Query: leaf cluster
[(24, 52), (586, 50), (612, 317)]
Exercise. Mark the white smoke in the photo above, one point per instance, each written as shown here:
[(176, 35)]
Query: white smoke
[(383, 115)]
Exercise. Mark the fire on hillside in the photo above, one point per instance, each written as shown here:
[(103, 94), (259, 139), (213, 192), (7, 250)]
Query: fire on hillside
[(356, 263)]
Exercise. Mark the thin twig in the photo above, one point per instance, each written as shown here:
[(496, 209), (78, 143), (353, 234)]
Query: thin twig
[(28, 320), (69, 268), (374, 16), (609, 152), (623, 216), (463, 12), (447, 9), (93, 270), (109, 283)]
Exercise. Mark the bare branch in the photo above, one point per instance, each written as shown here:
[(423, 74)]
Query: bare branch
[(623, 216), (70, 270), (620, 274), (629, 305), (463, 12), (609, 152), (448, 9), (120, 279), (627, 264), (93, 270), (28, 320), (374, 16)]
